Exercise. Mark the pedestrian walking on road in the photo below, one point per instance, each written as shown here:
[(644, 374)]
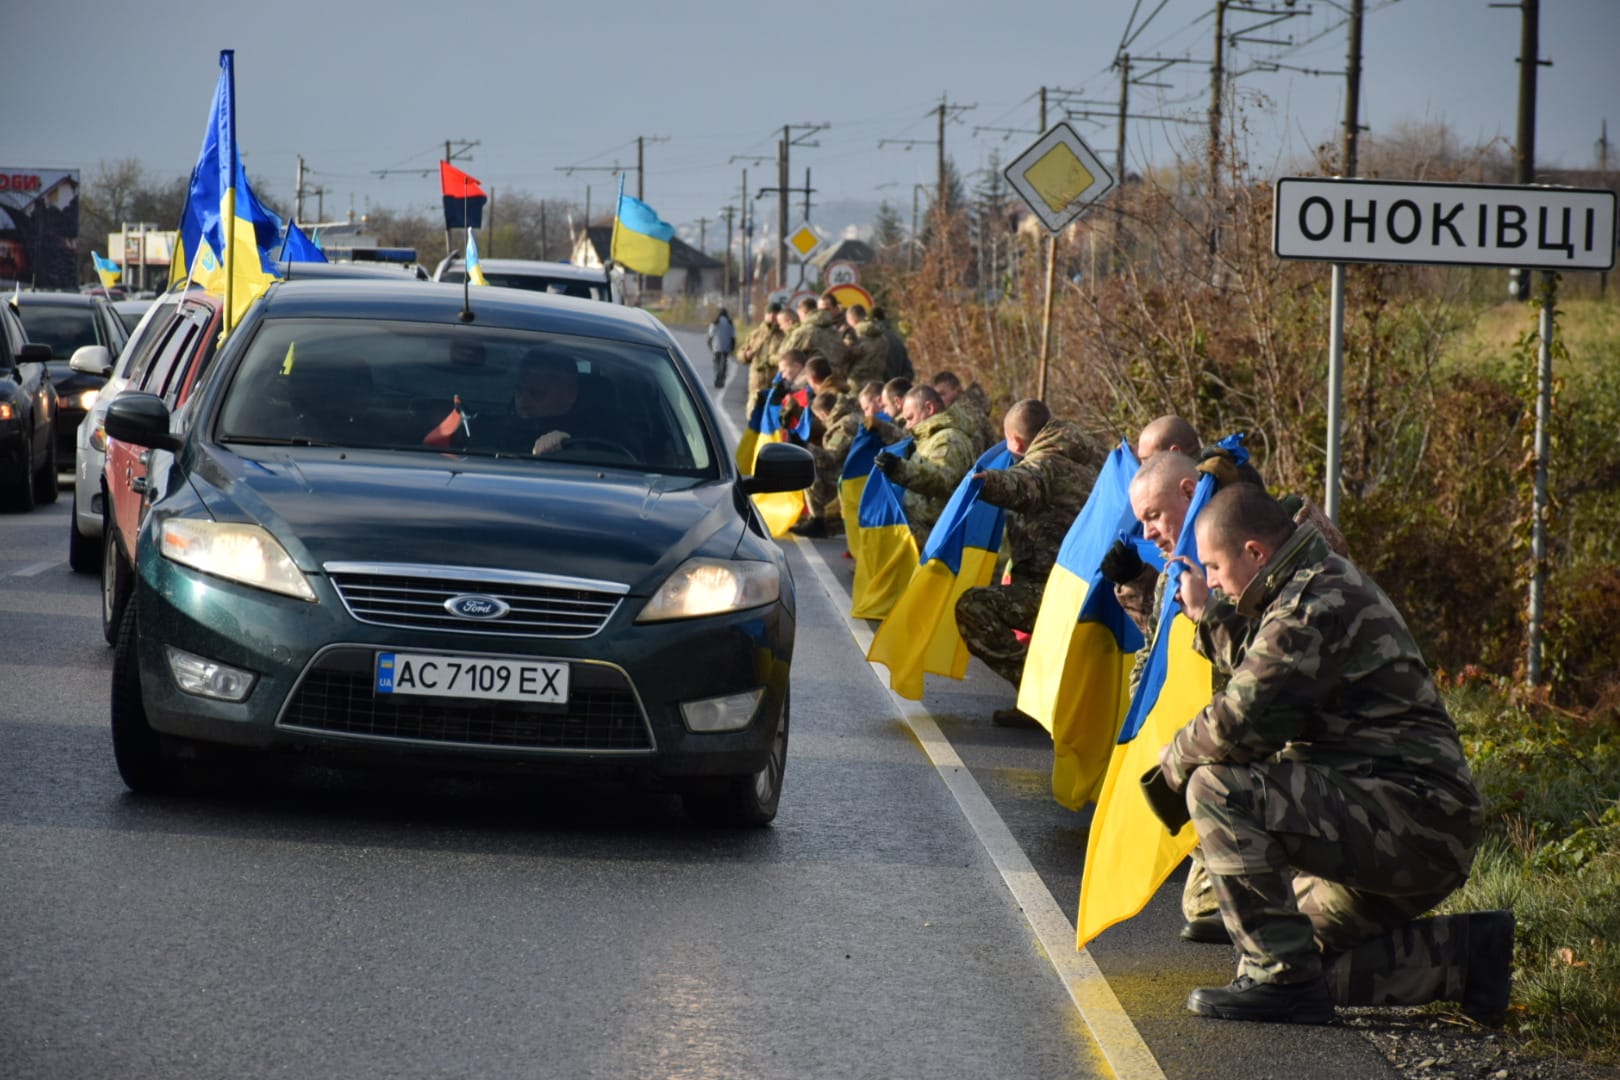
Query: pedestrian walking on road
[(722, 339)]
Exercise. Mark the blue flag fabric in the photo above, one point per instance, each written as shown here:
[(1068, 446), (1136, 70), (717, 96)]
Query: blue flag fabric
[(884, 549), (1153, 674), (298, 248), (966, 522)]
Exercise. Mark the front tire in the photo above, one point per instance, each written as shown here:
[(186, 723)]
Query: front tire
[(45, 487), (745, 801), (136, 747), (116, 581), (84, 552)]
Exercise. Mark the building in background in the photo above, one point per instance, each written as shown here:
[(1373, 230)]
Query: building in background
[(691, 275), (39, 227)]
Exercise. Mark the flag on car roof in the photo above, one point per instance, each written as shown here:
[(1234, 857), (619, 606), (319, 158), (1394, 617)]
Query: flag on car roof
[(225, 232), (296, 247), (464, 199), (883, 545), (475, 266), (1077, 673), (919, 634), (640, 238), (1129, 853), (109, 271)]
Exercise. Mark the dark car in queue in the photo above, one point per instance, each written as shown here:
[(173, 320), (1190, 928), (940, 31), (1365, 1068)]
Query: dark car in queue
[(28, 416), (68, 322), (394, 530)]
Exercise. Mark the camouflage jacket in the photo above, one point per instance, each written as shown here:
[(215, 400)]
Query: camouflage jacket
[(940, 457), (838, 431), (1043, 493), (818, 335), (899, 356), (972, 412), (759, 350), (869, 356), (1326, 672)]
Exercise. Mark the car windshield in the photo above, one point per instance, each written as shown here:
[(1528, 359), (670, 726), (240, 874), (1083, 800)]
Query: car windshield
[(555, 286), (482, 391), (63, 328)]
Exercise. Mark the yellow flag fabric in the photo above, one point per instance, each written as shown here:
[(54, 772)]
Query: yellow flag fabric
[(779, 509), (1075, 683), (250, 279), (747, 451), (919, 636), (849, 506), (1129, 853), (885, 560)]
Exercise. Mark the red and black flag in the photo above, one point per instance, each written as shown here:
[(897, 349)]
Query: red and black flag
[(463, 199)]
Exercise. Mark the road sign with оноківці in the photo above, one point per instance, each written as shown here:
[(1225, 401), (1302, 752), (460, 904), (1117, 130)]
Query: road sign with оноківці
[(1332, 219), (805, 241), (1059, 177)]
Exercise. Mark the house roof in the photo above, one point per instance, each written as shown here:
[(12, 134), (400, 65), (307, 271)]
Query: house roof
[(846, 250), (682, 256)]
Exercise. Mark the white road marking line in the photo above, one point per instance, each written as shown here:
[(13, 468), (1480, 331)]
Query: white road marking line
[(35, 568), (1111, 1027)]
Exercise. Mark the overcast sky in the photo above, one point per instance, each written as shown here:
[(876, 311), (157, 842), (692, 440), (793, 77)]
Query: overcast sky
[(356, 87)]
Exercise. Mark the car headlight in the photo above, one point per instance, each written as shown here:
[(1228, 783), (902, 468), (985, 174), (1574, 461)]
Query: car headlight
[(712, 587), (87, 399), (243, 553)]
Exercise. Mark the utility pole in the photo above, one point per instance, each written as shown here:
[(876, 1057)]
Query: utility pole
[(1217, 87), (1603, 176), (1352, 126), (725, 261), (747, 250), (298, 191), (1352, 90), (781, 206), (1051, 288), (703, 234), (1524, 151), (1119, 158)]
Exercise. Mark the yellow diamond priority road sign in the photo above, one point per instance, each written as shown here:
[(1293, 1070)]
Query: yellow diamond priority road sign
[(1059, 177), (805, 240)]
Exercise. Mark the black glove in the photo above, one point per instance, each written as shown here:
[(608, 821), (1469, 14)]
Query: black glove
[(779, 394), (1168, 806), (1123, 564), (886, 463)]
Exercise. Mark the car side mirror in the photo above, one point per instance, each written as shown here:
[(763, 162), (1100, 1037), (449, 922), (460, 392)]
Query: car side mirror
[(35, 353), (92, 360), (780, 467), (142, 419)]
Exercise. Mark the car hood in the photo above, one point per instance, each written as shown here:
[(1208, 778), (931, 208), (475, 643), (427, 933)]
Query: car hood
[(344, 506)]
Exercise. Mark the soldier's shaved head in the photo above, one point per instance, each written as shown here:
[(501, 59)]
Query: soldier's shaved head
[(1245, 512), (1167, 433), (1160, 494), (1164, 471), (1026, 418)]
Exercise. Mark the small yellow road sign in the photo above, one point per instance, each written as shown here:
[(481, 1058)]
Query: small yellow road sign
[(1059, 177), (805, 241)]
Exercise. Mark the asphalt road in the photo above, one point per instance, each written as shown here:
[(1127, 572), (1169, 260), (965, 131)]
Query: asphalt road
[(318, 923)]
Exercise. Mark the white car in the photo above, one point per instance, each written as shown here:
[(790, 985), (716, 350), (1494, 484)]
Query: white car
[(90, 444), (536, 275)]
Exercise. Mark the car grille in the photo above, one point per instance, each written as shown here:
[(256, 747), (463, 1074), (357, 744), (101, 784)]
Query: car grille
[(336, 697), (414, 597)]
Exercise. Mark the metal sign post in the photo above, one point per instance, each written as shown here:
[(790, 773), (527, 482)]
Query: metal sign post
[(1382, 221), (1059, 178)]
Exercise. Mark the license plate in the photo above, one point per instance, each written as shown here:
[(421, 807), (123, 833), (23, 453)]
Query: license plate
[(434, 675)]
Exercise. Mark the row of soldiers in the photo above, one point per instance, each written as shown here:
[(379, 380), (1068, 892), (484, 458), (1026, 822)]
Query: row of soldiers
[(1325, 780), (860, 345)]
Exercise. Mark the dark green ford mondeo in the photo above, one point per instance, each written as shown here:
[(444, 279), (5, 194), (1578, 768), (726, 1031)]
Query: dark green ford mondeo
[(398, 528)]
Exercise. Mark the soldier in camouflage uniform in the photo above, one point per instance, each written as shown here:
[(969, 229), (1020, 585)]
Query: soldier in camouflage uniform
[(900, 366), (1042, 493), (971, 407), (868, 346), (1327, 785), (840, 418), (894, 398), (817, 335), (940, 457), (759, 352)]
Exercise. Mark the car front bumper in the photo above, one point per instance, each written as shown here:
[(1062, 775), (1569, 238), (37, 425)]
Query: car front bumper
[(314, 687)]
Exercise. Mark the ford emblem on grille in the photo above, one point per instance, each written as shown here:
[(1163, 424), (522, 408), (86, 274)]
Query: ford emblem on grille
[(477, 607)]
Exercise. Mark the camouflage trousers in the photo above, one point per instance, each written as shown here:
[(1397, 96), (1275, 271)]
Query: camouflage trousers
[(1318, 873), (986, 618), (1198, 892), (824, 492)]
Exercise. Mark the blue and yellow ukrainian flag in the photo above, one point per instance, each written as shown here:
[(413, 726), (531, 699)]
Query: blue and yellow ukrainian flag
[(1128, 852), (781, 509), (748, 445), (885, 550), (296, 247), (919, 635), (226, 234), (1077, 674), (640, 238), (863, 451), (108, 271), (475, 266)]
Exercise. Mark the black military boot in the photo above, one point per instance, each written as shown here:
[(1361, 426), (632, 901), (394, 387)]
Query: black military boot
[(1488, 977), (1013, 718), (813, 527), (1271, 1003), (1206, 930)]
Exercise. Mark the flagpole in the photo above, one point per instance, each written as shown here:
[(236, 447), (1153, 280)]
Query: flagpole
[(228, 159)]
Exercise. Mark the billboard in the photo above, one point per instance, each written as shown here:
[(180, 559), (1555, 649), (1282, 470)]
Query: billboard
[(39, 227)]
